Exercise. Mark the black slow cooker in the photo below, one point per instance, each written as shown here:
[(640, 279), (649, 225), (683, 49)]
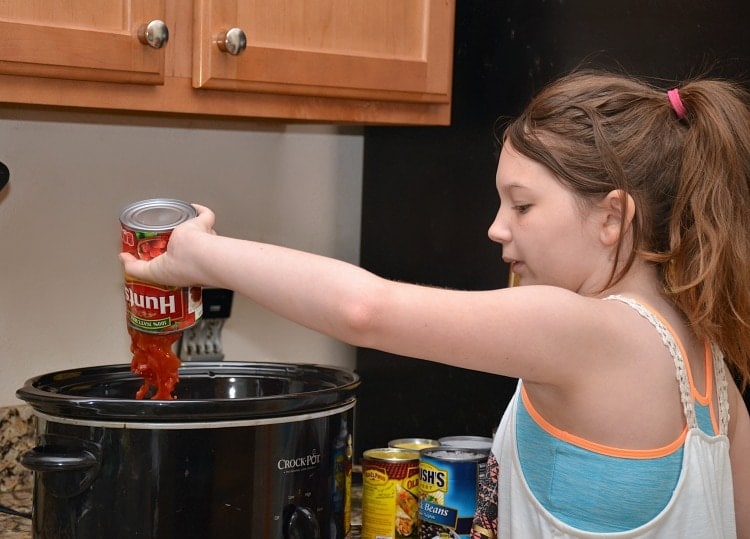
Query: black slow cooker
[(251, 450)]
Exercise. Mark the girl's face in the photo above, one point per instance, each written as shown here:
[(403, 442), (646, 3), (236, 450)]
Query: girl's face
[(547, 236)]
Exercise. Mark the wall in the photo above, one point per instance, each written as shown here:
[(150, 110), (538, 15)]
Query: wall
[(61, 303)]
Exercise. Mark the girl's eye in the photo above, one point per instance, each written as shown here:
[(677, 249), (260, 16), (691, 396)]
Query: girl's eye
[(522, 208)]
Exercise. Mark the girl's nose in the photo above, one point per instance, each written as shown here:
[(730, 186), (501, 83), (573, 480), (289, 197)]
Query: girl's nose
[(499, 231)]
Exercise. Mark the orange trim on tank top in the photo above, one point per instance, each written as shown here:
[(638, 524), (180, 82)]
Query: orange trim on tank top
[(707, 398), (596, 447), (638, 453)]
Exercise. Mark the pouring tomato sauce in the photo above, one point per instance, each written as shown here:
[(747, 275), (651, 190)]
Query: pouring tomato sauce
[(155, 361), (157, 315)]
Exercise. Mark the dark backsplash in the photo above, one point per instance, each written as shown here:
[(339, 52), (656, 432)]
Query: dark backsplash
[(428, 193)]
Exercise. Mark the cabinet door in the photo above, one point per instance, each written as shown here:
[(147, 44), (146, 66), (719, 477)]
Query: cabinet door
[(386, 50), (92, 40)]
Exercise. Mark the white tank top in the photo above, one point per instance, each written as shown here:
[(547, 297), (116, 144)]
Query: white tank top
[(702, 504)]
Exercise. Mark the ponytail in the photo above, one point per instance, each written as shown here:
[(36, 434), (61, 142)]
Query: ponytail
[(708, 267)]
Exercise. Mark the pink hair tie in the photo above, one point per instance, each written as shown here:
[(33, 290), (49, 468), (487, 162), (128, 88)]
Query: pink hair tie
[(676, 102)]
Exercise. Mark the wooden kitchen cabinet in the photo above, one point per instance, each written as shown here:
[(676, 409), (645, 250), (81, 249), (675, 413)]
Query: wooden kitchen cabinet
[(343, 61), (91, 40)]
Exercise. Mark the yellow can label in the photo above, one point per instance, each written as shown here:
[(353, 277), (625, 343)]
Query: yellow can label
[(390, 495)]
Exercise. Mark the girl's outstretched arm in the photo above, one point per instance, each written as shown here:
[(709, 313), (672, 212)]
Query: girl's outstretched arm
[(513, 332)]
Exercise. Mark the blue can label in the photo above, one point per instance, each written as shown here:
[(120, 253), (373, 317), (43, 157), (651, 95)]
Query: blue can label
[(448, 480)]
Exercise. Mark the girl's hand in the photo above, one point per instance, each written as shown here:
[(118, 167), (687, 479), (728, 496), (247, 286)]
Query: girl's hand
[(178, 265)]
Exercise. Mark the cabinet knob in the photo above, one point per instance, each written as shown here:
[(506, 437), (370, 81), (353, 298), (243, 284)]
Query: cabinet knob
[(233, 41), (154, 34)]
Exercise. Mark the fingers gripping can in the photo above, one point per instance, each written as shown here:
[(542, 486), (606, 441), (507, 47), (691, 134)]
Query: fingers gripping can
[(154, 308), (390, 493)]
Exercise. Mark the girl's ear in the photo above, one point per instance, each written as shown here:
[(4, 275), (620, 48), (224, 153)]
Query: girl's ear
[(618, 210)]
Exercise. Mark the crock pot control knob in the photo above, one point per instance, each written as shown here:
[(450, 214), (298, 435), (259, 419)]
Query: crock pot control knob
[(154, 34), (301, 524), (233, 41)]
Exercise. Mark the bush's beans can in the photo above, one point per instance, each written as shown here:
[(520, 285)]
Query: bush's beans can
[(467, 442), (154, 308), (448, 482), (413, 443), (390, 494)]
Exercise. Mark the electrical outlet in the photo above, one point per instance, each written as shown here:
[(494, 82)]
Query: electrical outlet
[(202, 342), (217, 302)]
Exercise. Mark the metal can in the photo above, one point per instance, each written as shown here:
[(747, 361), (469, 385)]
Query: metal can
[(413, 443), (390, 493), (467, 442), (448, 482), (145, 230)]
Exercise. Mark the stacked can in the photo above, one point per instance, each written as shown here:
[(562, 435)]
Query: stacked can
[(416, 444), (481, 443), (154, 308), (448, 482), (390, 494)]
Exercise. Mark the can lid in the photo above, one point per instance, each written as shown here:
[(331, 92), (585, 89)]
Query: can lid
[(390, 454), (470, 442), (156, 214), (413, 443), (455, 453)]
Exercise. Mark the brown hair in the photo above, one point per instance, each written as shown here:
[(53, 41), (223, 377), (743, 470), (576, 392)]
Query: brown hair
[(689, 178)]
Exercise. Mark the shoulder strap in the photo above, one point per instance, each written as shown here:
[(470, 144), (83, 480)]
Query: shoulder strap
[(721, 388), (669, 341)]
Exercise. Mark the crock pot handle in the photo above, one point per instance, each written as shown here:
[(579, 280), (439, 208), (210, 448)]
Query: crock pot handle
[(66, 471), (58, 459)]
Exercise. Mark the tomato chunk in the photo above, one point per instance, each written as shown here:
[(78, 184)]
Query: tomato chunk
[(155, 362)]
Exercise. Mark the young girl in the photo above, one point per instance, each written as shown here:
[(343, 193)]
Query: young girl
[(624, 212)]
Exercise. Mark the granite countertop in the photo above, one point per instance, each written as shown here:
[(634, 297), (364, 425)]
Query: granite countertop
[(13, 526), (17, 435), (16, 482)]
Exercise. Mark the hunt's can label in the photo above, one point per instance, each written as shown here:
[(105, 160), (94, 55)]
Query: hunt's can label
[(448, 482), (390, 494), (150, 307), (416, 444)]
